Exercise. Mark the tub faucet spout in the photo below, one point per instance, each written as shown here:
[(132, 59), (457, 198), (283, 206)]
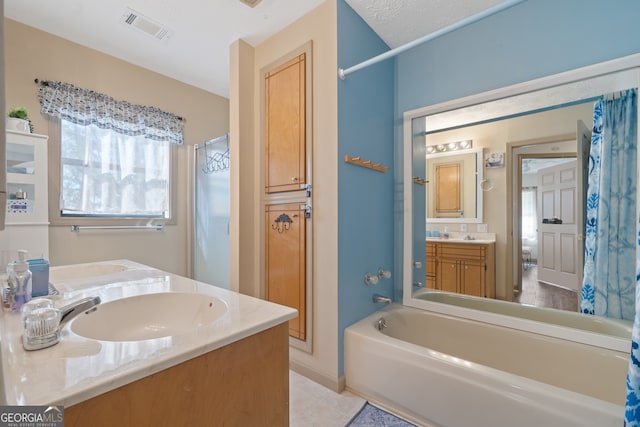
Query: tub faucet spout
[(379, 298), (84, 305)]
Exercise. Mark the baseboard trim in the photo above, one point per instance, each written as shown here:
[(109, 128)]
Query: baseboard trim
[(333, 384)]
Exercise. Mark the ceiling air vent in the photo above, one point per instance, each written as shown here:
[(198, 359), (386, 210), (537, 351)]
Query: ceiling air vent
[(148, 26), (251, 3)]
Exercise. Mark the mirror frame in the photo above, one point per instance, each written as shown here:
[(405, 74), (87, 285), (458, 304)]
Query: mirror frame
[(539, 94), (479, 180)]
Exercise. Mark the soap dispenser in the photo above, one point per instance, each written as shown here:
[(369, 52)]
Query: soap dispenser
[(20, 282)]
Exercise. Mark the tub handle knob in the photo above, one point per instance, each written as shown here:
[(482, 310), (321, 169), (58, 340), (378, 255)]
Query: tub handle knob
[(371, 279)]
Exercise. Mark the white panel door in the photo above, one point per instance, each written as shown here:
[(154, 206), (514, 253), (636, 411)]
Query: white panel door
[(559, 250)]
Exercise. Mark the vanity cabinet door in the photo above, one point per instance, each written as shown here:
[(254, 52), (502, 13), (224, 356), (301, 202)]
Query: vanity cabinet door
[(472, 278), (466, 268), (285, 112), (447, 275), (285, 267)]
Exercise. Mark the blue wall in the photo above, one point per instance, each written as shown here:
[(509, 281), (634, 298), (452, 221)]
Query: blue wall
[(530, 40), (365, 199)]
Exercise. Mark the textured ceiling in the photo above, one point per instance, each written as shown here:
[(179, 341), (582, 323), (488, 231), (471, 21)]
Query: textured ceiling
[(400, 21), (197, 52)]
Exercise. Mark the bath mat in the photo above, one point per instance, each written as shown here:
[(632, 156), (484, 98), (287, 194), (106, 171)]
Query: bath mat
[(371, 416)]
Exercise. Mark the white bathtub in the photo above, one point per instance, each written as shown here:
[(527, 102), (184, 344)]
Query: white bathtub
[(439, 370), (596, 324)]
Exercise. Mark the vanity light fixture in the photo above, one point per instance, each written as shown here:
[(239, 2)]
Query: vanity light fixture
[(450, 146)]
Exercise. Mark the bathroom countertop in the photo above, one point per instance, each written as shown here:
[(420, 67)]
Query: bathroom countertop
[(475, 241), (77, 368)]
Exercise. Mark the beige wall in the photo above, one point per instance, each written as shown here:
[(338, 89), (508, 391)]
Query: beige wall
[(320, 27), (494, 137), (31, 54), (245, 241)]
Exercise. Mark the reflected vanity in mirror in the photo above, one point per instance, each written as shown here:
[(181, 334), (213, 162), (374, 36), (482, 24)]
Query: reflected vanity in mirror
[(533, 117)]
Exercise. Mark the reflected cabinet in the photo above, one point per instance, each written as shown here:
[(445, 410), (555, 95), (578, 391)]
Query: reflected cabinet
[(464, 268)]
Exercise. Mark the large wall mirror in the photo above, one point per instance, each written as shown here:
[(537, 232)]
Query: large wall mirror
[(539, 125)]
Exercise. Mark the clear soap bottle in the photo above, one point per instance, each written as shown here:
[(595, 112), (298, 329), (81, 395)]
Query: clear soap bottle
[(20, 282)]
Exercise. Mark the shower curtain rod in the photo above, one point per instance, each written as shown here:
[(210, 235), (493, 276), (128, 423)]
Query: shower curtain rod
[(393, 52)]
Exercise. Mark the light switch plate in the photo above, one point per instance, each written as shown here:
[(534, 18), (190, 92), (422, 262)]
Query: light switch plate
[(482, 228)]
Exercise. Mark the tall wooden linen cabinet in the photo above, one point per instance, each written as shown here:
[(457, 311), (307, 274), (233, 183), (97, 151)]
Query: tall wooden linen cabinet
[(287, 188)]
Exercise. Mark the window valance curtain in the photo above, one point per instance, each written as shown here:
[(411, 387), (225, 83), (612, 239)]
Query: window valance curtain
[(85, 107)]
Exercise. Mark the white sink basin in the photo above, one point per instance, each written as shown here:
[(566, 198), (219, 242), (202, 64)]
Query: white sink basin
[(150, 316), (73, 272)]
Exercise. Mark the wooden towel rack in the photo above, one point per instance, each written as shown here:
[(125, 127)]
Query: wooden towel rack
[(365, 163)]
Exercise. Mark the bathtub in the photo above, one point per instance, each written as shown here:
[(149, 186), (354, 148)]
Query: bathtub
[(596, 324), (440, 370)]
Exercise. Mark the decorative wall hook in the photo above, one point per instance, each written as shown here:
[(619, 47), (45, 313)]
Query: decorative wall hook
[(365, 163), (419, 180), (282, 223)]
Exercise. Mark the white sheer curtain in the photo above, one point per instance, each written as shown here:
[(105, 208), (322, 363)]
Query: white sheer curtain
[(109, 173)]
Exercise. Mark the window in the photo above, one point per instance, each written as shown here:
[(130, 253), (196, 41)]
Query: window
[(109, 174), (110, 162)]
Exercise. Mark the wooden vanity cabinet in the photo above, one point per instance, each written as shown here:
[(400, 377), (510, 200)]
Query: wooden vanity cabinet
[(464, 268), (245, 383)]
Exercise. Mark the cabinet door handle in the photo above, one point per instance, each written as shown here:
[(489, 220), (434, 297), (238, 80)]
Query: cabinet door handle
[(294, 179)]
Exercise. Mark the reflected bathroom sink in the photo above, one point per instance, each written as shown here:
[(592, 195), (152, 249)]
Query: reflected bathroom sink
[(150, 316), (459, 240), (73, 272)]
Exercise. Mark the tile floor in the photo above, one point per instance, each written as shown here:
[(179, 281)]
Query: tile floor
[(313, 405)]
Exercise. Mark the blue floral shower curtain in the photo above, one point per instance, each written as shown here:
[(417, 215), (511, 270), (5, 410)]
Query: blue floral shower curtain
[(610, 285), (609, 281)]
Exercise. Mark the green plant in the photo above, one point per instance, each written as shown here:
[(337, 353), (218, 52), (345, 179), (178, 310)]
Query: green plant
[(21, 113)]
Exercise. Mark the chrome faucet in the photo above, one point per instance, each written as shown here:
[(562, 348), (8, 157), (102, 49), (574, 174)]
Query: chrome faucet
[(379, 298), (85, 305), (42, 325)]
